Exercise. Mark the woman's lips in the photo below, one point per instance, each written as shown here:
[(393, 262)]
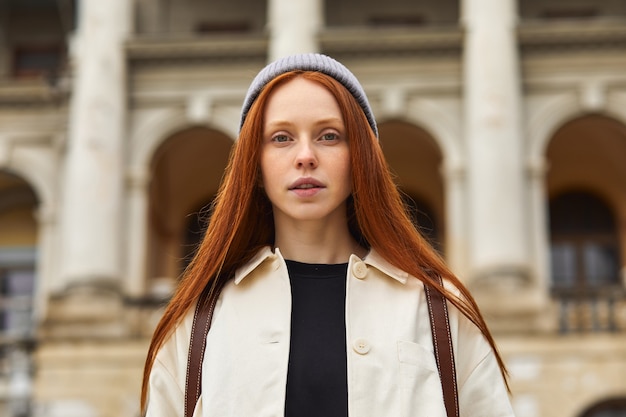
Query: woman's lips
[(306, 187)]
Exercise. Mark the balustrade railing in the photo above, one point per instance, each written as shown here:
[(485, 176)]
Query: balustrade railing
[(601, 309)]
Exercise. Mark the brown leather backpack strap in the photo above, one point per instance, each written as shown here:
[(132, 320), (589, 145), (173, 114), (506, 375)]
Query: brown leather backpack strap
[(199, 331), (442, 344)]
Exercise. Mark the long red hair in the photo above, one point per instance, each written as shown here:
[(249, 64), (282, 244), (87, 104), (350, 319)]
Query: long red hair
[(242, 222)]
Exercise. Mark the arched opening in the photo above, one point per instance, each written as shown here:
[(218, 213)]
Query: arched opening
[(586, 184), (186, 173), (195, 228), (423, 218), (18, 241), (415, 159), (614, 407)]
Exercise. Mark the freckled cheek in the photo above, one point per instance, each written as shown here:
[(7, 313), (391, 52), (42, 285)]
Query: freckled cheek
[(271, 172)]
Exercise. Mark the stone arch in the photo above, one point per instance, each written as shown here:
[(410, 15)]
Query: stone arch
[(574, 135), (158, 127), (20, 249), (585, 160), (18, 199), (415, 158), (186, 171), (151, 132), (545, 117), (443, 127), (548, 118), (38, 172)]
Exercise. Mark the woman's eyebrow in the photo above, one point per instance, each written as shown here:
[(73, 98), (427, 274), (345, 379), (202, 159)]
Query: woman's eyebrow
[(280, 123), (329, 120)]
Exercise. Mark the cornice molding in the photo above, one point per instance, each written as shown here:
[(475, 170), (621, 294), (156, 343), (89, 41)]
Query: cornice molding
[(222, 49), (364, 41), (534, 37), (29, 93), (539, 38), (572, 36)]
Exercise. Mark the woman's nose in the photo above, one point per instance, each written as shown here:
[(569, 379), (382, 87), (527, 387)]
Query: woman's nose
[(306, 156)]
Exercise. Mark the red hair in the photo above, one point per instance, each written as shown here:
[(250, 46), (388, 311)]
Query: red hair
[(242, 221)]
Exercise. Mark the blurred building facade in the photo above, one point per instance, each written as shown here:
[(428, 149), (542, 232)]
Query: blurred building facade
[(504, 120)]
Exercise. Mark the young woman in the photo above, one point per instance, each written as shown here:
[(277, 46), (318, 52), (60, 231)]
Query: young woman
[(320, 272)]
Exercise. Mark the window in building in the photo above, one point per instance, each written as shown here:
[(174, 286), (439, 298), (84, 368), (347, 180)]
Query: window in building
[(390, 13), (18, 237), (37, 32), (584, 243), (570, 13), (201, 17), (37, 61), (17, 278), (571, 10), (16, 288), (386, 20), (585, 259), (212, 27)]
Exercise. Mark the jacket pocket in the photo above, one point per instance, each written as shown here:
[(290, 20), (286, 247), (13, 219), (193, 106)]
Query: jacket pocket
[(420, 388), (411, 353), (417, 364)]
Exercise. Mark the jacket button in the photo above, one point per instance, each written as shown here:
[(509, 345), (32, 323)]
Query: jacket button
[(360, 270), (361, 346)]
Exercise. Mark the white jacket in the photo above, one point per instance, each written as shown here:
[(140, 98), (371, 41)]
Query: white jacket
[(391, 366)]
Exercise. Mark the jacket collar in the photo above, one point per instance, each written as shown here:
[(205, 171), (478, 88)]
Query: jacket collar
[(376, 260), (373, 259), (263, 254)]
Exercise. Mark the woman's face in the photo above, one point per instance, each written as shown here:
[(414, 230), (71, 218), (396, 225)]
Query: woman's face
[(305, 160)]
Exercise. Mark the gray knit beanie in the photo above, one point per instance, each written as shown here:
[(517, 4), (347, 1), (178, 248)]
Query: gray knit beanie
[(309, 62)]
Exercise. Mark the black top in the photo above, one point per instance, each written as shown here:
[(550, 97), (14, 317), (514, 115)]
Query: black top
[(317, 382)]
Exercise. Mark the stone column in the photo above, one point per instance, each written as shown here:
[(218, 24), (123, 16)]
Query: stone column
[(294, 26), (47, 262), (92, 189), (494, 142), (538, 226), (137, 232), (456, 201)]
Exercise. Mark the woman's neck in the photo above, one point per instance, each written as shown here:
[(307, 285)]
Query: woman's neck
[(315, 243)]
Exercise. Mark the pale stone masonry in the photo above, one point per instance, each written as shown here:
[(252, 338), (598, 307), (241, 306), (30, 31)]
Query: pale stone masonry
[(489, 111)]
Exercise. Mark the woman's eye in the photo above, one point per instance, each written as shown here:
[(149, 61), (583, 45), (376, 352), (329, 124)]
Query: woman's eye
[(330, 136), (280, 138)]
